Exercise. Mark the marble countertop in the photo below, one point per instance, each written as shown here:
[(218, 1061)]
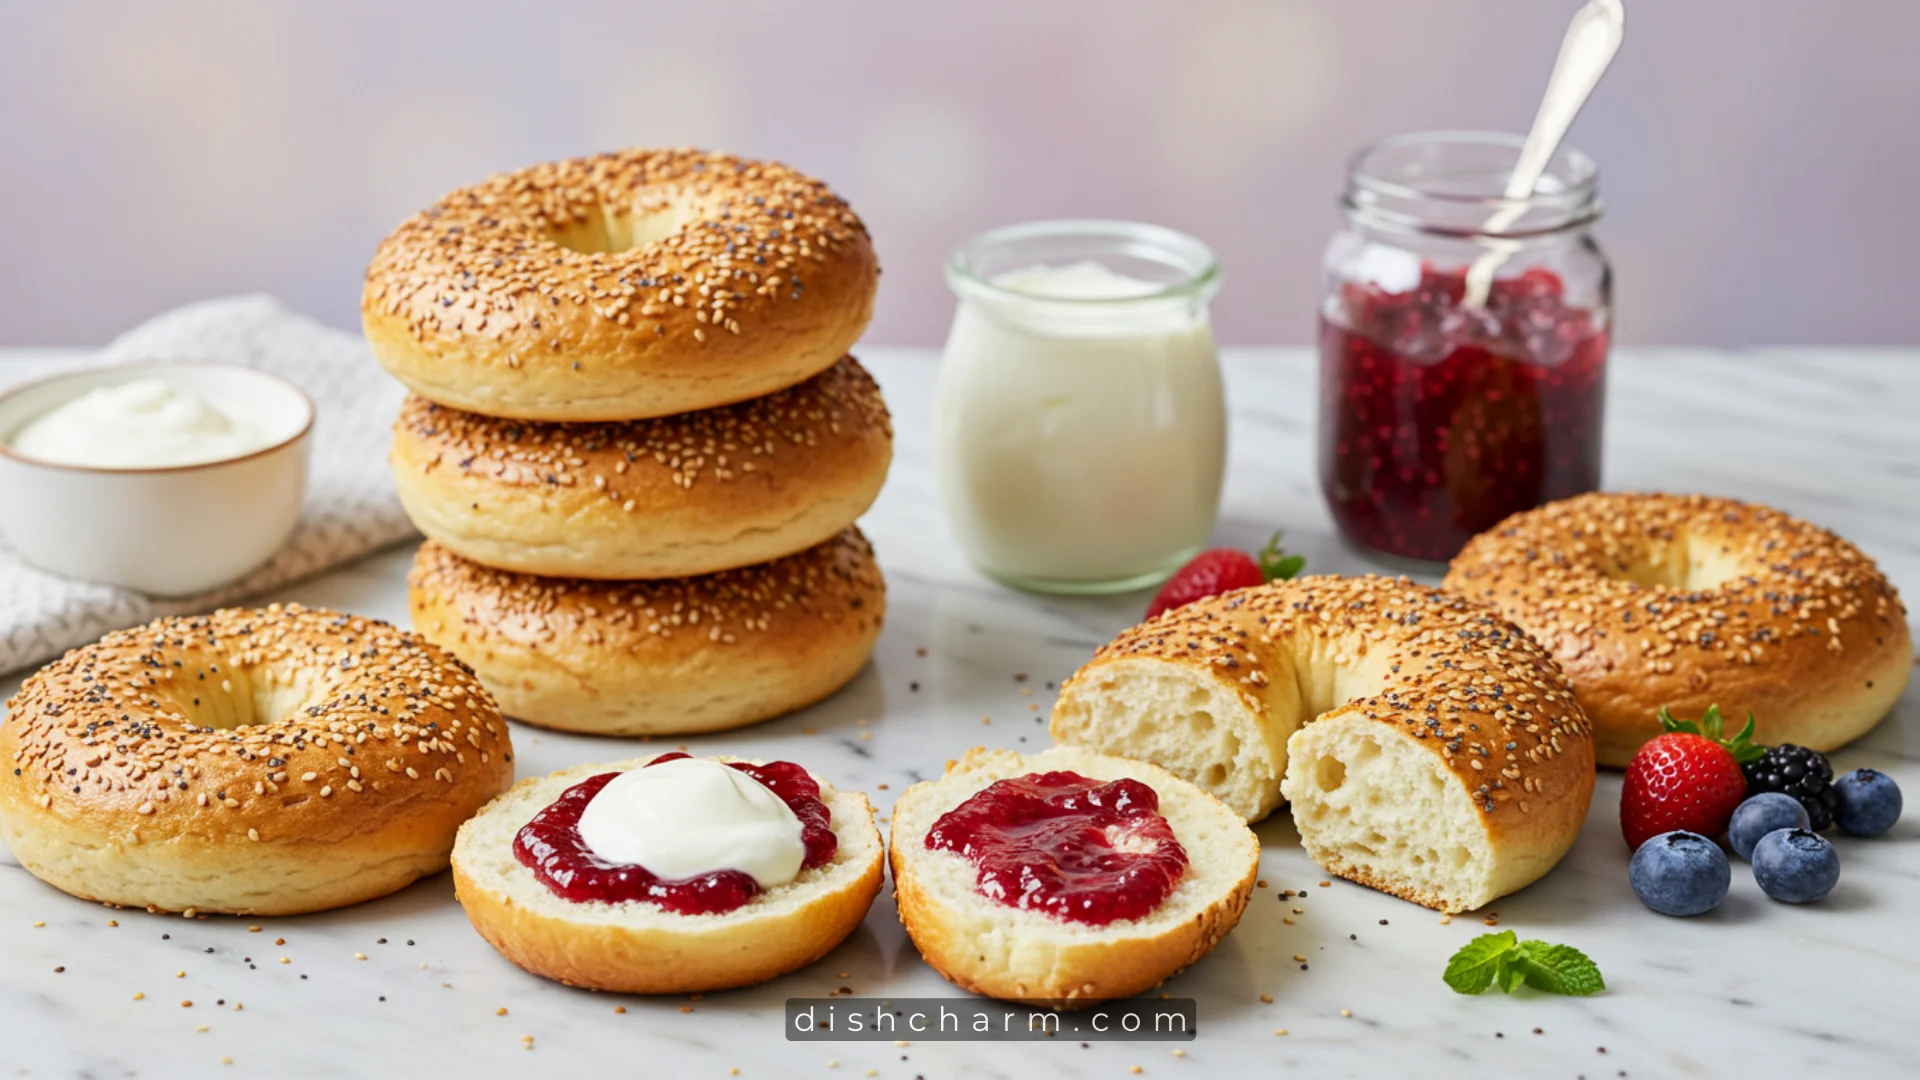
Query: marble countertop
[(403, 985)]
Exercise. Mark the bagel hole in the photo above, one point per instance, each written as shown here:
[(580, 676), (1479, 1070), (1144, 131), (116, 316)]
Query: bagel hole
[(1680, 564), (608, 231), (222, 696)]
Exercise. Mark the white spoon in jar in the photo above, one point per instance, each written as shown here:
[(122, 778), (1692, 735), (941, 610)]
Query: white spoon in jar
[(1592, 39)]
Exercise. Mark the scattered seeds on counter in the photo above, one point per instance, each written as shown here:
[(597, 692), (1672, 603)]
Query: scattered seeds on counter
[(1346, 1012)]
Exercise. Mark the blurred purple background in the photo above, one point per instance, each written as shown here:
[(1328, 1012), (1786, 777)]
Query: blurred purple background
[(1759, 158)]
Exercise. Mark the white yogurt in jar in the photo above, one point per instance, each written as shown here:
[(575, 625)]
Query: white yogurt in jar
[(1082, 427), (140, 424)]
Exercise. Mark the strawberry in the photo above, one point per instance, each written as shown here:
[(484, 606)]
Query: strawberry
[(1219, 570), (1688, 778)]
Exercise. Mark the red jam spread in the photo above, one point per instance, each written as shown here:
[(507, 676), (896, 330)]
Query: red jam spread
[(1057, 842), (551, 847), (1438, 421)]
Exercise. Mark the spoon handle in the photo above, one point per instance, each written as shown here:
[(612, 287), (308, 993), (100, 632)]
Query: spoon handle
[(1588, 48)]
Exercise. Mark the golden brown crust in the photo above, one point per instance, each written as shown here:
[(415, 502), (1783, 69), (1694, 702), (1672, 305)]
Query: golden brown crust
[(673, 656), (651, 961), (1458, 678), (1652, 600), (1079, 977), (677, 496), (374, 748), (621, 286)]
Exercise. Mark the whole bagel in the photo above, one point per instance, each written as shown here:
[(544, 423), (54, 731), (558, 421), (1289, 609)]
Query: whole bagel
[(1686, 601), (670, 657), (1430, 749), (622, 286), (672, 497), (261, 762)]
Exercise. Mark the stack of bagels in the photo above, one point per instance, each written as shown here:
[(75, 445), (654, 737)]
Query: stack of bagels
[(635, 441)]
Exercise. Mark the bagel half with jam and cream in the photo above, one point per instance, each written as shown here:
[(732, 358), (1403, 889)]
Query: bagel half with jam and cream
[(669, 874)]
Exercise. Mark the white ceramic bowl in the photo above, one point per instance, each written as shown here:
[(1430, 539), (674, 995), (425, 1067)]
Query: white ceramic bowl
[(173, 531)]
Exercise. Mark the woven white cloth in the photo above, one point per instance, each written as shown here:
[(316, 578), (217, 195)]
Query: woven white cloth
[(350, 509)]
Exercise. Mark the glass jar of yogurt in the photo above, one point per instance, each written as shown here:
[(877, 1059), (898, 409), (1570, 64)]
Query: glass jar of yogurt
[(1081, 429)]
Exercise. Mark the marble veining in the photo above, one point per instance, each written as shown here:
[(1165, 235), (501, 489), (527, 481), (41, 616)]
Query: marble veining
[(1756, 989)]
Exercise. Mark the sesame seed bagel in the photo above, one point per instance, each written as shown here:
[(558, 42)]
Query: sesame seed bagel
[(670, 657), (259, 762), (1686, 601), (671, 497), (1429, 748), (618, 287), (635, 947), (1002, 951)]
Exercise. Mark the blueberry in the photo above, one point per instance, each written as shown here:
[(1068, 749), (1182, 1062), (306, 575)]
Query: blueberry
[(1680, 873), (1866, 802), (1762, 814), (1795, 866)]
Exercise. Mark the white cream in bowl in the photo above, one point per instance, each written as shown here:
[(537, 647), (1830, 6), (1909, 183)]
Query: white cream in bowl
[(169, 478)]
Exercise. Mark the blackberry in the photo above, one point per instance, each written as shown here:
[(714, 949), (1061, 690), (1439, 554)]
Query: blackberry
[(1799, 772)]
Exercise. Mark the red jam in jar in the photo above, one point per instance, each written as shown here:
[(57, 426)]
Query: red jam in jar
[(1438, 421), (551, 847), (1079, 849)]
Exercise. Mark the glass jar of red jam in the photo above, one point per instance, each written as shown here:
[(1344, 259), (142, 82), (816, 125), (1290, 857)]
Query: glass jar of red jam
[(1439, 416)]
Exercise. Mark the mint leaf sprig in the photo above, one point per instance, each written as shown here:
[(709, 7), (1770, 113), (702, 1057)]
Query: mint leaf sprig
[(1505, 960)]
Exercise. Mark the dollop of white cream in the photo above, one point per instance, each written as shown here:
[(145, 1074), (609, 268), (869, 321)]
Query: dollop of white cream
[(691, 816), (139, 424)]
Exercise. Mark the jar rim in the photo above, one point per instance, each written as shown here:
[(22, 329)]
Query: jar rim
[(1565, 198), (1199, 269)]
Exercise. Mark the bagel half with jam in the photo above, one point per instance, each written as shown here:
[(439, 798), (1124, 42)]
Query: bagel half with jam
[(1011, 944)]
